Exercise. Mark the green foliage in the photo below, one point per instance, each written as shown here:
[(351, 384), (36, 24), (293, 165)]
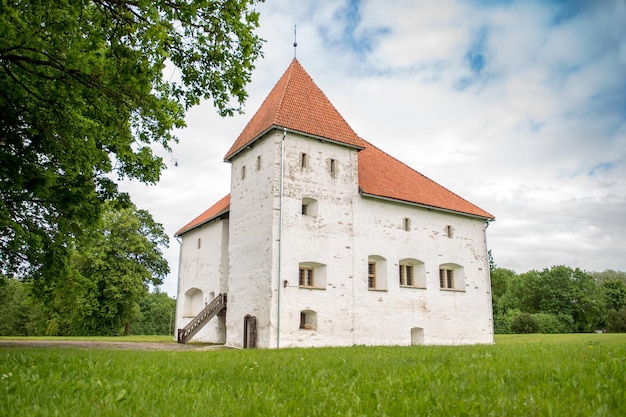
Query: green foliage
[(572, 296), (86, 89), (616, 321), (522, 376), (614, 292), (156, 315), (502, 321), (105, 280), (113, 269), (551, 323), (524, 323), (13, 308), (609, 275), (501, 279)]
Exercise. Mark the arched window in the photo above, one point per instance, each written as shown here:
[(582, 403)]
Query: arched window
[(194, 302), (451, 277), (412, 273), (376, 273), (417, 336)]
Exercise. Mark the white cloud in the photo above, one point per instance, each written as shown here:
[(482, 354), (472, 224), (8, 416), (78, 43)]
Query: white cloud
[(537, 137)]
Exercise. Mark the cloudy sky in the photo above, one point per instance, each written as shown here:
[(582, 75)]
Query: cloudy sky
[(518, 106)]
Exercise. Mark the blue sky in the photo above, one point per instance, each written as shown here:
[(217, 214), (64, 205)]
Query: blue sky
[(518, 106)]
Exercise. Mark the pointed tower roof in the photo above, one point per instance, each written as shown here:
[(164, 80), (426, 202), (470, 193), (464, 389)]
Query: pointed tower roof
[(296, 103)]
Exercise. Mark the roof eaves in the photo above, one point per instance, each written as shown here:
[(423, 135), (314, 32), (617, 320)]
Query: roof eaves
[(195, 226), (300, 132), (322, 138), (426, 206), (249, 144)]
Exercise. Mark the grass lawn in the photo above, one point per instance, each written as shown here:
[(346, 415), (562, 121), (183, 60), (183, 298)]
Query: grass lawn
[(536, 375), (134, 338)]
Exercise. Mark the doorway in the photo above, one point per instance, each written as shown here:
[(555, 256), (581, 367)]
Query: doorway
[(249, 332)]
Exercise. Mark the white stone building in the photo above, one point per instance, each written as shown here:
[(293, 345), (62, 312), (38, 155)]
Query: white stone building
[(325, 240)]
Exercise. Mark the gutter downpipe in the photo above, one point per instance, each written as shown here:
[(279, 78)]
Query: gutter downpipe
[(280, 235), (493, 324), (180, 260)]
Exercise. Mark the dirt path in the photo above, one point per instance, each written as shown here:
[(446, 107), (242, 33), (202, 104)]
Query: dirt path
[(87, 344)]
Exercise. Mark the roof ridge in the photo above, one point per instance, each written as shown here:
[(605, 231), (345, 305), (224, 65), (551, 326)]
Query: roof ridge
[(283, 94)]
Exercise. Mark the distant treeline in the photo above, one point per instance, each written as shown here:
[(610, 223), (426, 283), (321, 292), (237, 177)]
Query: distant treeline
[(558, 300), (555, 300), (23, 314)]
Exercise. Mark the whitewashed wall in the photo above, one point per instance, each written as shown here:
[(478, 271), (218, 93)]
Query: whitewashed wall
[(344, 231), (251, 245), (325, 237), (203, 267), (446, 317)]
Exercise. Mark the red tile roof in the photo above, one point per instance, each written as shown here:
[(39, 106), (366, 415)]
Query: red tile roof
[(298, 104), (381, 175), (216, 210)]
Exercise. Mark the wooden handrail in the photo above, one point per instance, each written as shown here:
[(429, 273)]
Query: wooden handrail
[(211, 310)]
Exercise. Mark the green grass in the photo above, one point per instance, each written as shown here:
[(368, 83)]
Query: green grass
[(134, 338), (573, 375)]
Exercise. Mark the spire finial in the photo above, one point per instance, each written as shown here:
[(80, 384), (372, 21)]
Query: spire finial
[(295, 43)]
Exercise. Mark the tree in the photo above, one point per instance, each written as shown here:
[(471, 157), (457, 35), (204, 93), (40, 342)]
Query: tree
[(13, 307), (609, 275), (524, 323), (156, 315), (616, 320), (503, 309), (108, 275), (614, 292), (86, 87), (501, 279), (560, 291)]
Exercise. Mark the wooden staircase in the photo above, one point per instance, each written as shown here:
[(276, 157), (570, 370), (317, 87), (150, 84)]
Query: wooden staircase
[(211, 310)]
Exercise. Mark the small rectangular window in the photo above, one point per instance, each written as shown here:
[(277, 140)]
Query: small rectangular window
[(446, 278), (243, 172), (371, 275), (333, 167), (305, 209), (304, 160), (306, 277), (449, 231), (406, 224), (258, 163), (308, 320)]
